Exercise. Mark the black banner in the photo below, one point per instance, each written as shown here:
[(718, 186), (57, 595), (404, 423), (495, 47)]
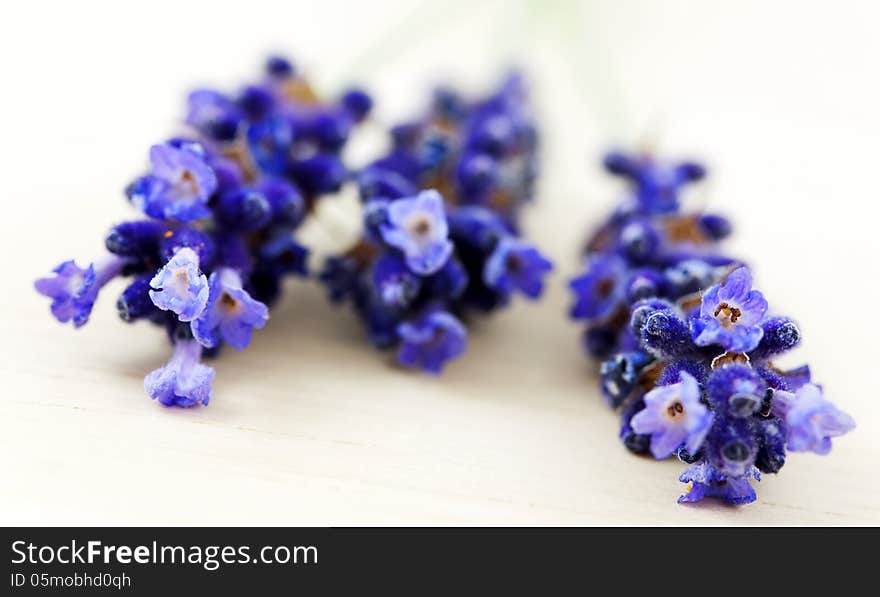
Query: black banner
[(268, 561)]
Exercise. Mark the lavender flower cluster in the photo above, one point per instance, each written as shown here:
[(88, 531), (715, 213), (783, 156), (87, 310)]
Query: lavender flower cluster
[(222, 206), (687, 345), (441, 236)]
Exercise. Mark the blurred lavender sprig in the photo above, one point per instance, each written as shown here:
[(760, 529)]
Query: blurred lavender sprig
[(442, 238)]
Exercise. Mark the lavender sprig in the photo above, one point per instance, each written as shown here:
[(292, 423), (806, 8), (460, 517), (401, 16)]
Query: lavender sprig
[(441, 234), (223, 204), (686, 345)]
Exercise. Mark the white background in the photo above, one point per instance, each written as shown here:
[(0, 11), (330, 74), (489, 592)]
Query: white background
[(309, 425)]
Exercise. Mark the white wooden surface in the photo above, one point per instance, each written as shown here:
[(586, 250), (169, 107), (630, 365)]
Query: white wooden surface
[(309, 425)]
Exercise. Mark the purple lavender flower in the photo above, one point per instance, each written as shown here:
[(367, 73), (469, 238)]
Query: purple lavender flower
[(418, 255), (224, 202), (674, 415), (230, 314), (731, 411), (395, 284), (656, 186), (431, 340), (705, 481), (690, 275), (213, 114), (515, 264), (810, 419), (74, 289), (418, 227), (600, 290), (731, 314), (732, 444), (270, 142), (184, 380), (179, 186), (180, 286)]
